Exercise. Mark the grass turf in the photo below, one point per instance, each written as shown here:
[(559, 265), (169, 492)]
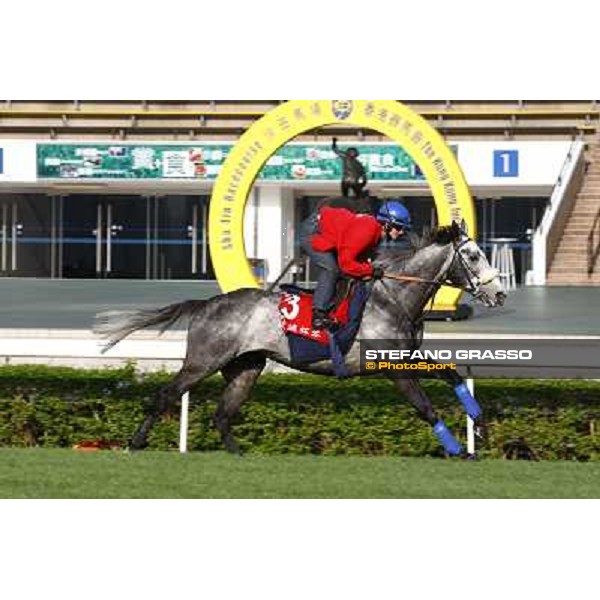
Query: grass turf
[(62, 473)]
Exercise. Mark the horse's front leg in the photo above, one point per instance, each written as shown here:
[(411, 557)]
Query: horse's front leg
[(467, 400), (452, 378), (418, 398)]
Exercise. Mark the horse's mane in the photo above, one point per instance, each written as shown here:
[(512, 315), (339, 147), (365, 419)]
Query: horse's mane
[(440, 236)]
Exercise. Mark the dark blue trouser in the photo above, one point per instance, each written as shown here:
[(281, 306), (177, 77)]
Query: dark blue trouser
[(326, 261)]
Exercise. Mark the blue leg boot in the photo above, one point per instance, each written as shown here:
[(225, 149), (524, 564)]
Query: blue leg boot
[(466, 399), (451, 445)]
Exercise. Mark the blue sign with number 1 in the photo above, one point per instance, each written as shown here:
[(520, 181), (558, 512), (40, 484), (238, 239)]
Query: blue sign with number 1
[(506, 163)]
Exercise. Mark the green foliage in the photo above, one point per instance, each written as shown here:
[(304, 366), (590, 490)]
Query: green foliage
[(58, 407)]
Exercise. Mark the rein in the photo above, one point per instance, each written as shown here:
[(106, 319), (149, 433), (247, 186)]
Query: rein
[(414, 279), (411, 278)]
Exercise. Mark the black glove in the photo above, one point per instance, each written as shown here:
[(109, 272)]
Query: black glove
[(378, 273)]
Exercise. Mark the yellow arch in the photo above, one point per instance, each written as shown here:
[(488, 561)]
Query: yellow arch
[(393, 119)]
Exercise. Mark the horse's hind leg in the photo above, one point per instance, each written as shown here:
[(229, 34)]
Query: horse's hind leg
[(182, 382), (241, 375), (419, 399)]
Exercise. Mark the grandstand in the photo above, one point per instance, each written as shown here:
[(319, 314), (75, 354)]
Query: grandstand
[(75, 227), (228, 119)]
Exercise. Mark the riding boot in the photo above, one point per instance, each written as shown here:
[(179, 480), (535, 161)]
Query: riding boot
[(321, 320)]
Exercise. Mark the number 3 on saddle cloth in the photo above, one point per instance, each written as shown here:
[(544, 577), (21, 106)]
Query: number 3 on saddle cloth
[(308, 345)]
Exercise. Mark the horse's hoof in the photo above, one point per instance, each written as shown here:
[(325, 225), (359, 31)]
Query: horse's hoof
[(235, 451), (230, 444), (135, 445), (470, 456)]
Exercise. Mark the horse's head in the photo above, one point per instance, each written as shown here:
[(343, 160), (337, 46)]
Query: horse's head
[(446, 255), (470, 269)]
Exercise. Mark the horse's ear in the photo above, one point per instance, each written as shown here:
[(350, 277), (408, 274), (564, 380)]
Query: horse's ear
[(423, 240), (463, 227)]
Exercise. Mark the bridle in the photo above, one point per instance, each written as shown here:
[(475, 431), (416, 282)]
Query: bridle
[(474, 280), (474, 283)]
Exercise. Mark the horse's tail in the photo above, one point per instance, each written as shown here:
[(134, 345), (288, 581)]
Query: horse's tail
[(115, 325)]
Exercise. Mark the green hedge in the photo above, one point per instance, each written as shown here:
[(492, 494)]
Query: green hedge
[(51, 406)]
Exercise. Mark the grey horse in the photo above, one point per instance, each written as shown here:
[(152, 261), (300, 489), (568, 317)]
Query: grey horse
[(236, 333)]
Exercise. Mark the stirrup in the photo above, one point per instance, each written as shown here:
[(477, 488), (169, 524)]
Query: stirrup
[(321, 320)]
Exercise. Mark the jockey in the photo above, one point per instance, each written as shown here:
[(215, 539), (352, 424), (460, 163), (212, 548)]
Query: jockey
[(339, 241)]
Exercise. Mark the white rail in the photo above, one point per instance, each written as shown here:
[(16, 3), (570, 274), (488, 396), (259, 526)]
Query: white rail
[(547, 235)]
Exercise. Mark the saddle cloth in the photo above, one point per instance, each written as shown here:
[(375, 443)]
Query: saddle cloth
[(295, 308), (308, 345)]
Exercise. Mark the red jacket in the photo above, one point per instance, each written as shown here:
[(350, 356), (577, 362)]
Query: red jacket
[(351, 235)]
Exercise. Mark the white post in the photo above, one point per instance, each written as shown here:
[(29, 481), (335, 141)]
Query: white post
[(470, 423), (183, 422)]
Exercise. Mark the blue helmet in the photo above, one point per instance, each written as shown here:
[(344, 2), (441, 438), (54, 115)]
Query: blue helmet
[(394, 213)]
